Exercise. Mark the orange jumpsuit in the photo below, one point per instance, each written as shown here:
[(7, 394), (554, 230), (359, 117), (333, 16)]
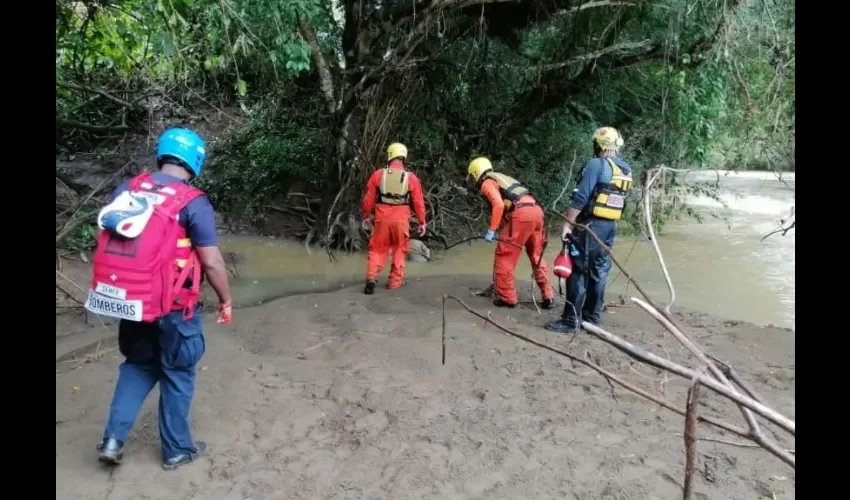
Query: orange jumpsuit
[(392, 226), (523, 228)]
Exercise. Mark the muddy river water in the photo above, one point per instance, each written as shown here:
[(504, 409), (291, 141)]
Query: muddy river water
[(719, 266)]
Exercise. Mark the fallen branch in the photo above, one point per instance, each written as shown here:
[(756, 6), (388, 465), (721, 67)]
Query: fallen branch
[(665, 364), (690, 438), (718, 373), (608, 375), (712, 384), (747, 403)]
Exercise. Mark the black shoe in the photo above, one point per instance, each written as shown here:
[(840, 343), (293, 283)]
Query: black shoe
[(370, 287), (111, 451), (502, 303), (547, 304), (185, 458), (561, 326)]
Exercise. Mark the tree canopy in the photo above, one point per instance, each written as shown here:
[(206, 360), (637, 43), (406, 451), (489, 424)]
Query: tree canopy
[(326, 85)]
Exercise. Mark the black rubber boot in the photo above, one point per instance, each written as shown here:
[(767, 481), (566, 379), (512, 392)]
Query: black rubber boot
[(185, 458), (547, 304), (111, 451), (370, 287), (502, 303)]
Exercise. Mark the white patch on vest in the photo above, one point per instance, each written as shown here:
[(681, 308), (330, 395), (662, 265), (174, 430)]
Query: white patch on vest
[(111, 291), (114, 308), (153, 198), (615, 201), (168, 190)]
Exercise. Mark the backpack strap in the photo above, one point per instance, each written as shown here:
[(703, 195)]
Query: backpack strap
[(137, 181), (184, 195), (193, 265)]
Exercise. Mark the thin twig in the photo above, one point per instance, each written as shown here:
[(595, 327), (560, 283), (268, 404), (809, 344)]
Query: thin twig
[(67, 293), (732, 443), (647, 208), (78, 287), (444, 330), (566, 184), (732, 375), (94, 357)]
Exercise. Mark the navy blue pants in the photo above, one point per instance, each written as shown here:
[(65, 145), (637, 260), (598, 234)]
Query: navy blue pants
[(586, 286), (166, 351)]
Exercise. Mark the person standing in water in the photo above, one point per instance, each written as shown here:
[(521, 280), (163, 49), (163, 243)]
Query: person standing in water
[(389, 193), (598, 202), (157, 241), (523, 229)]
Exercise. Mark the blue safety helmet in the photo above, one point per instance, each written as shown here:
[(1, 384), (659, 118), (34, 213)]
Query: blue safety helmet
[(185, 145)]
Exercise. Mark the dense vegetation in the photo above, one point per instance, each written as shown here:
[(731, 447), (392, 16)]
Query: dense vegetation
[(327, 84)]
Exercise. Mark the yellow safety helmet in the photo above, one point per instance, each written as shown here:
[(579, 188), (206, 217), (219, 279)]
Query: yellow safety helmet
[(396, 150), (478, 167), (608, 139)]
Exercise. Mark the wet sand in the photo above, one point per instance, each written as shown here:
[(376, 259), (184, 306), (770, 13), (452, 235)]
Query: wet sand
[(342, 396)]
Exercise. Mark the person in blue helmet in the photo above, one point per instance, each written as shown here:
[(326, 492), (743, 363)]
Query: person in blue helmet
[(167, 349)]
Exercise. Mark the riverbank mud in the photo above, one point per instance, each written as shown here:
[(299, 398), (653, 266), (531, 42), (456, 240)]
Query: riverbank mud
[(342, 396)]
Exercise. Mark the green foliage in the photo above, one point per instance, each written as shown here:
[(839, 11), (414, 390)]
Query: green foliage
[(185, 40), (722, 96), (276, 151)]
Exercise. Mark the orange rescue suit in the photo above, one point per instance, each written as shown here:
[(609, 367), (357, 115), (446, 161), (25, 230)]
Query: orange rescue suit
[(523, 228), (392, 225)]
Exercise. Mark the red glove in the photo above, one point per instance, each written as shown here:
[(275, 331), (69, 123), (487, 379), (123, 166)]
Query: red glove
[(225, 313)]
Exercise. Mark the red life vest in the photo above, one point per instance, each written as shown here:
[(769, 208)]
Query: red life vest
[(143, 279)]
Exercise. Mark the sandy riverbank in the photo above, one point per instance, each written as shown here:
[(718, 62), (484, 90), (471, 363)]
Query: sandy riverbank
[(342, 396)]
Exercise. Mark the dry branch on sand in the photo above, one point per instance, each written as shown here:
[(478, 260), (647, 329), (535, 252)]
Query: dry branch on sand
[(715, 374), (643, 356)]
